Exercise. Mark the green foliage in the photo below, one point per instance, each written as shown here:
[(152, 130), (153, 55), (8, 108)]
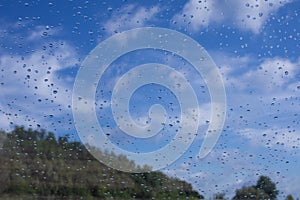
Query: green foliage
[(245, 193), (265, 184), (289, 197), (36, 164), (219, 196), (264, 189)]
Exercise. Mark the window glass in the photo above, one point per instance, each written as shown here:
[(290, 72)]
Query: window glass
[(150, 99)]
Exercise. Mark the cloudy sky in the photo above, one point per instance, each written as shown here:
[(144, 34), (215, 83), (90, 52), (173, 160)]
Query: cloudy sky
[(255, 45)]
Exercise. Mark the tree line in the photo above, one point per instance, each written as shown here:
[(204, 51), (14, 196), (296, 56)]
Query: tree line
[(36, 164)]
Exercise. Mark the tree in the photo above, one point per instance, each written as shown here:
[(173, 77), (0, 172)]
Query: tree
[(289, 197), (264, 189), (219, 196), (265, 184), (245, 193)]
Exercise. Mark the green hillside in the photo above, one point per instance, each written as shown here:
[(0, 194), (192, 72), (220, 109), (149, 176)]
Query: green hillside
[(35, 164)]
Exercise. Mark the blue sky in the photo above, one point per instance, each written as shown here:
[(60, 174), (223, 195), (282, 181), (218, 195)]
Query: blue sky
[(255, 44)]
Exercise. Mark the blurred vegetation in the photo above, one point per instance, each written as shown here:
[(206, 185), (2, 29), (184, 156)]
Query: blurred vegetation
[(264, 189), (35, 164)]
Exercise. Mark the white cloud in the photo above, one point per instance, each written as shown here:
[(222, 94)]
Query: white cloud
[(290, 185), (247, 15), (198, 15), (274, 137), (270, 76), (35, 35), (41, 31), (38, 70), (261, 91), (252, 15), (33, 88), (130, 16), (179, 172), (272, 73)]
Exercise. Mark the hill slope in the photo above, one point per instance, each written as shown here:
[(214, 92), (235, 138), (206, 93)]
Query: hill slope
[(36, 164)]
